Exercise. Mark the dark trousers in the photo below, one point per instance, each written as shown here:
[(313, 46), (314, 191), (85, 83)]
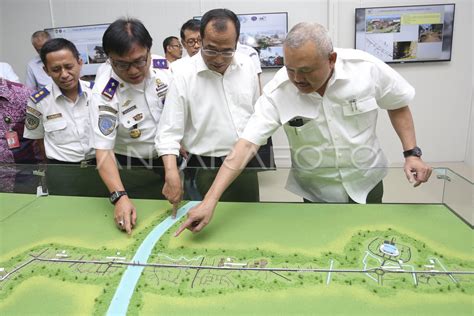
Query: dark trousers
[(142, 178), (77, 179), (201, 172), (374, 197)]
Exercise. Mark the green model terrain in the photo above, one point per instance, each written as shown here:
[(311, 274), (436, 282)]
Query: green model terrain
[(256, 235)]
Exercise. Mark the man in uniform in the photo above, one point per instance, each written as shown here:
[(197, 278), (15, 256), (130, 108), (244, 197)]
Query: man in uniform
[(58, 115), (327, 100), (207, 108), (36, 77), (126, 106)]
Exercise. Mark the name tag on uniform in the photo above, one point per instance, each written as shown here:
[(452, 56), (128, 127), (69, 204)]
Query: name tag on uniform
[(12, 139)]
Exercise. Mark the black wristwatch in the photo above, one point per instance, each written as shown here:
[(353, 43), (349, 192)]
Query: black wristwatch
[(413, 152), (116, 195)]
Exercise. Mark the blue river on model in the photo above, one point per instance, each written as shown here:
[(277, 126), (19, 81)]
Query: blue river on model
[(125, 289)]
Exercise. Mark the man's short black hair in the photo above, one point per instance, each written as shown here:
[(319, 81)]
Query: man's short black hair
[(56, 44), (122, 34), (168, 41), (192, 25), (219, 17)]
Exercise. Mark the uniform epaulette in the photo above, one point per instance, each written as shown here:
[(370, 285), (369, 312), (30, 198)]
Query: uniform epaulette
[(160, 63), (110, 88), (39, 95)]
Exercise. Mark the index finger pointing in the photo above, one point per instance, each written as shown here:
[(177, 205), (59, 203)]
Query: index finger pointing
[(175, 210), (128, 226), (183, 226)]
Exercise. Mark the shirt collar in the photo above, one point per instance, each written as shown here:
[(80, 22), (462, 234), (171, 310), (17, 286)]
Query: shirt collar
[(123, 85), (339, 72), (37, 59), (201, 65), (56, 91)]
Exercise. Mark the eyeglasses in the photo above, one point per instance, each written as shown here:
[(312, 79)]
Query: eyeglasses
[(123, 65), (214, 53), (193, 41)]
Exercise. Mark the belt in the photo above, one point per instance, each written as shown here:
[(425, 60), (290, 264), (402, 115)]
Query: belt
[(83, 163)]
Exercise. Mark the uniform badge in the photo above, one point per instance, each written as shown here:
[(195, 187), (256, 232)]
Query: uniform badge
[(40, 95), (127, 103), (107, 124), (110, 88), (31, 121), (33, 111), (161, 88), (54, 116), (130, 109), (107, 108), (135, 133), (160, 63), (138, 117)]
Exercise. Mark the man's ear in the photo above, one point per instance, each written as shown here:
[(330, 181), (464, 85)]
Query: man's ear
[(80, 61), (332, 58), (45, 70)]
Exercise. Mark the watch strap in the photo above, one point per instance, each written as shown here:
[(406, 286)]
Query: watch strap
[(415, 151), (116, 195)]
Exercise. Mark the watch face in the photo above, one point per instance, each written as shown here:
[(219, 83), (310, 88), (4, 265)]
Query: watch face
[(417, 152)]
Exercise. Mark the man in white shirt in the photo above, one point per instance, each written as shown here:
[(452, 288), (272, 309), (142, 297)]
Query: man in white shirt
[(253, 54), (36, 77), (58, 115), (172, 48), (7, 72), (127, 101), (191, 41), (207, 108), (327, 102)]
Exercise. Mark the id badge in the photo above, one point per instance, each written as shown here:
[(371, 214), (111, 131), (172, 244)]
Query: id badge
[(12, 139)]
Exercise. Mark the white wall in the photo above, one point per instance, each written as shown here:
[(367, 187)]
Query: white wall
[(442, 108)]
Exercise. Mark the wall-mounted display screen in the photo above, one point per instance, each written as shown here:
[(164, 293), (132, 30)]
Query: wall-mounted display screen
[(406, 33), (88, 40), (265, 32)]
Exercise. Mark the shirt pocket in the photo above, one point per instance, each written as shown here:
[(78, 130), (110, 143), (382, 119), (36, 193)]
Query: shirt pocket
[(58, 131), (360, 115)]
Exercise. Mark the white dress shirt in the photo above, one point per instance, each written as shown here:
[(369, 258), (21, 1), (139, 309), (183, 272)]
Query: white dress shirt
[(36, 78), (6, 72), (205, 111), (63, 124), (336, 152), (133, 110)]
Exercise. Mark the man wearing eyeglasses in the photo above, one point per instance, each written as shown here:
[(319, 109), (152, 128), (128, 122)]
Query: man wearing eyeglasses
[(126, 106), (191, 41), (207, 108), (172, 48), (191, 37)]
